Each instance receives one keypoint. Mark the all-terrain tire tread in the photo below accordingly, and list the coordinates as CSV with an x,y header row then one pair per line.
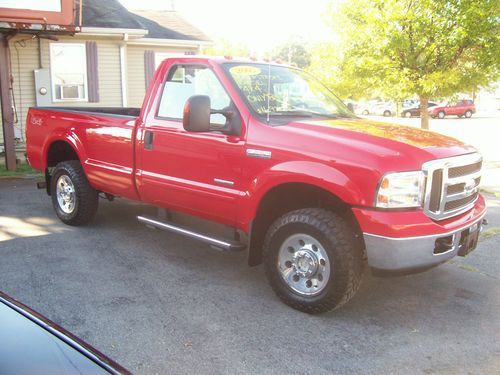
x,y
86,196
349,248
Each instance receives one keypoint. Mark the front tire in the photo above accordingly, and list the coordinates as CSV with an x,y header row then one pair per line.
x,y
408,114
441,115
313,260
468,114
387,113
74,200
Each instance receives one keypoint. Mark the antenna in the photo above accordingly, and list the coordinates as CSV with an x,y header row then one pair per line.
x,y
268,89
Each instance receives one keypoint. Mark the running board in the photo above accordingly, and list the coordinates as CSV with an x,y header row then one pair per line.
x,y
219,244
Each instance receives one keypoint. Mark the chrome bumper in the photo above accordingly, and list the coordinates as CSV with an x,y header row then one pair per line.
x,y
413,253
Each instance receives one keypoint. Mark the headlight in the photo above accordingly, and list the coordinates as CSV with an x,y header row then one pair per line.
x,y
402,189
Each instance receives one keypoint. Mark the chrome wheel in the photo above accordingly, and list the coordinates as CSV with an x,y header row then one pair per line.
x,y
303,264
65,192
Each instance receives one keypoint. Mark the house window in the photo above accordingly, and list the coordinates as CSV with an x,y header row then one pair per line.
x,y
68,68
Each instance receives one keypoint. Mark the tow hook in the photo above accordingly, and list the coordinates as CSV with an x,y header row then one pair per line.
x,y
483,223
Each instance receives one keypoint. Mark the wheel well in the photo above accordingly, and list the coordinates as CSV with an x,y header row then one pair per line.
x,y
58,151
289,197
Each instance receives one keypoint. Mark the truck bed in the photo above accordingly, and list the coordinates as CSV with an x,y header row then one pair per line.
x,y
107,132
110,111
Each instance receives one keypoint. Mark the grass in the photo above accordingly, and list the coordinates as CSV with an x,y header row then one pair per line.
x,y
22,170
490,232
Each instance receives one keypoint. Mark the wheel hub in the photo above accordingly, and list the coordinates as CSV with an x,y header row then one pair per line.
x,y
305,263
65,192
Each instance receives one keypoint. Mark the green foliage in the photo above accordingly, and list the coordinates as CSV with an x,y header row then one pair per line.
x,y
292,53
397,48
225,47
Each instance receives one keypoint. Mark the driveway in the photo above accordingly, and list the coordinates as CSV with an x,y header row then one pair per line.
x,y
162,304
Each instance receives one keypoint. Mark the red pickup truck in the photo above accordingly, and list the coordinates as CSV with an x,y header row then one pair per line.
x,y
306,187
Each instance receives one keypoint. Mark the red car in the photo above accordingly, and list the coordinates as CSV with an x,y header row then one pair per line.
x,y
459,108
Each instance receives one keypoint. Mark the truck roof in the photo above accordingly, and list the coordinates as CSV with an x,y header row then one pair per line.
x,y
229,59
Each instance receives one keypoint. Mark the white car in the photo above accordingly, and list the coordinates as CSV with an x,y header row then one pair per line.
x,y
384,109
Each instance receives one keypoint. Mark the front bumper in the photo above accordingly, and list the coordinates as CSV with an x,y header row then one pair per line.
x,y
419,244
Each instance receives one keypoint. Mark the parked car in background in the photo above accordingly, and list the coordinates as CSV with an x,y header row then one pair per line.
x,y
414,111
460,108
385,109
365,108
32,344
376,107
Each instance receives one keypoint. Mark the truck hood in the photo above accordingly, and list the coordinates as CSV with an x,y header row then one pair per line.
x,y
393,138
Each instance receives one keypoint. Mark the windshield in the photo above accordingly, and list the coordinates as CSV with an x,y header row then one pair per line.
x,y
278,91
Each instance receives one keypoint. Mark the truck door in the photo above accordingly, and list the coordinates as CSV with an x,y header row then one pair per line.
x,y
196,173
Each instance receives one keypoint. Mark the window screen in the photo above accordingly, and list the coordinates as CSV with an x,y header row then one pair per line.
x,y
69,71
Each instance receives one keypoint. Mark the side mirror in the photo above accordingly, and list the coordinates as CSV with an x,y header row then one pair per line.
x,y
196,116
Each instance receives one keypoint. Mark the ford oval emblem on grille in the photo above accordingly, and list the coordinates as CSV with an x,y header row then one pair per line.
x,y
470,187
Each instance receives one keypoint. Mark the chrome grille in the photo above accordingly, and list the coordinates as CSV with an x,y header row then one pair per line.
x,y
452,185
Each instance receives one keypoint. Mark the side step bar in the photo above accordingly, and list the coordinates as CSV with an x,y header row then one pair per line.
x,y
222,244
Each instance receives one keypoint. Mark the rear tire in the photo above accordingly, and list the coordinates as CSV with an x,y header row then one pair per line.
x,y
468,114
74,200
441,115
408,114
387,113
313,260
365,112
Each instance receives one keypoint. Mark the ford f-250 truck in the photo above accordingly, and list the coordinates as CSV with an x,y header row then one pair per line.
x,y
267,151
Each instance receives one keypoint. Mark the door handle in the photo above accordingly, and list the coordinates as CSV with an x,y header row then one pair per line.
x,y
148,140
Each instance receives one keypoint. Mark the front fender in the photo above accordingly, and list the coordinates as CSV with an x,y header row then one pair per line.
x,y
306,172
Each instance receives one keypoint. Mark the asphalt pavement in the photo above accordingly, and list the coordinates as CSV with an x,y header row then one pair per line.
x,y
158,303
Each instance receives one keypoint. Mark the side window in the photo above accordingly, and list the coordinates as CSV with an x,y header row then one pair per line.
x,y
185,81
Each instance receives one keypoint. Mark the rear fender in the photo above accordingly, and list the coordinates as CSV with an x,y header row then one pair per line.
x,y
70,138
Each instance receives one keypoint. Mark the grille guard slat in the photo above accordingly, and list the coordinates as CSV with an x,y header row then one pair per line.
x,y
470,189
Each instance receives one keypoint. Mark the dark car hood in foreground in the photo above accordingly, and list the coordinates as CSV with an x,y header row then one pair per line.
x,y
31,344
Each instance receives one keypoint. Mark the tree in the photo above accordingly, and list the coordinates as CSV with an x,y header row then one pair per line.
x,y
293,53
431,48
224,47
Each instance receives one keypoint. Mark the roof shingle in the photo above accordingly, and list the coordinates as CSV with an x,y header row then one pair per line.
x,y
160,24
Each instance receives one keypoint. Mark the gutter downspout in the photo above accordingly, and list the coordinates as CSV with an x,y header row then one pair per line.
x,y
123,69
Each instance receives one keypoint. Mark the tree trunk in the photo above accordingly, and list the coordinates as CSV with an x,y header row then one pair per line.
x,y
424,112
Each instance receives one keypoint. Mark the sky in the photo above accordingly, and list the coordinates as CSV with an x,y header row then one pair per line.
x,y
260,24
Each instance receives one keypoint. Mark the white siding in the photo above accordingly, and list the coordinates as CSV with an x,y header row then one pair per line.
x,y
24,60
27,56
108,57
136,77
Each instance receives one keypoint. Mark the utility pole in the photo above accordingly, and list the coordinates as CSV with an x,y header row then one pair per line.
x,y
6,103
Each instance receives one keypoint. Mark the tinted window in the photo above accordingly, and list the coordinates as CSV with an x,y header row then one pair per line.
x,y
185,81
